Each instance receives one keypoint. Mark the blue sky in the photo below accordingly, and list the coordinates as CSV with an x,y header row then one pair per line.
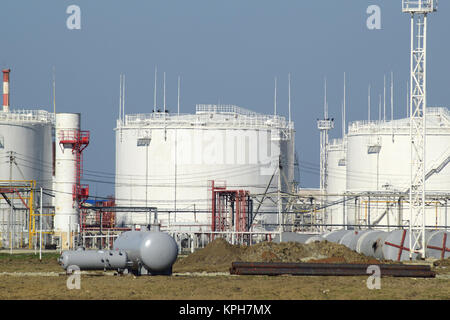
x,y
227,51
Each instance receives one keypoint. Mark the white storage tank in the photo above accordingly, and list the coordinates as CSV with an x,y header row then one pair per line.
x,y
26,153
166,161
336,185
378,160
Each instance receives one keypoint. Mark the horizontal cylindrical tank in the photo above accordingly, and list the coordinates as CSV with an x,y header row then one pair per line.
x,y
371,244
397,246
350,239
315,238
167,161
438,245
297,237
94,260
142,252
336,236
155,251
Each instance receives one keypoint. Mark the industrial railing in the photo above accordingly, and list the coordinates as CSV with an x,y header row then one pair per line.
x,y
203,119
419,5
28,115
223,108
401,124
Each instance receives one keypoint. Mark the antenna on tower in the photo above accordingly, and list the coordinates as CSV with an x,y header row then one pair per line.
x,y
289,96
154,90
275,99
325,102
344,124
54,91
392,96
379,108
178,101
164,92
368,105
384,99
123,98
120,100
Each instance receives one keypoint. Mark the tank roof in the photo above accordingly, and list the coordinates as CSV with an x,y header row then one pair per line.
x,y
207,115
437,118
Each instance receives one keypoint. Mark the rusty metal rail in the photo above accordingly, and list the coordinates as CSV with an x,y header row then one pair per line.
x,y
329,269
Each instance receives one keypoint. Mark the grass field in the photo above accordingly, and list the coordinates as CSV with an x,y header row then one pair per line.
x,y
23,276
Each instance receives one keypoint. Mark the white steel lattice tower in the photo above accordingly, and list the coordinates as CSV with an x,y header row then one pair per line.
x,y
418,9
324,125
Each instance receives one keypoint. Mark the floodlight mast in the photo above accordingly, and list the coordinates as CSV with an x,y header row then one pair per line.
x,y
418,10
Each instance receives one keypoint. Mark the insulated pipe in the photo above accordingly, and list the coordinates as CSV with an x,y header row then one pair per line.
x,y
6,89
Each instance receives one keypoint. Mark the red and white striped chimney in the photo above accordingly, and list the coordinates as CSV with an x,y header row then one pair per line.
x,y
6,89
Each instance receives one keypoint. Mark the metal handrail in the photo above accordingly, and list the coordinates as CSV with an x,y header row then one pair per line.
x,y
203,119
27,115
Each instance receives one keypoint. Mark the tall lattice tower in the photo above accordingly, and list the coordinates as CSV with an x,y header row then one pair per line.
x,y
418,10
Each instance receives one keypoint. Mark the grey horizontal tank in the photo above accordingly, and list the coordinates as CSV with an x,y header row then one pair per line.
x,y
297,237
315,238
438,245
151,251
94,260
371,243
396,246
141,252
350,239
336,236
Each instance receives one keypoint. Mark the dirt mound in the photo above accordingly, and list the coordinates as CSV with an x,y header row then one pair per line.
x,y
218,255
215,257
442,263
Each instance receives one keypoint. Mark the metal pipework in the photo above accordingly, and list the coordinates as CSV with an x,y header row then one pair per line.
x,y
139,252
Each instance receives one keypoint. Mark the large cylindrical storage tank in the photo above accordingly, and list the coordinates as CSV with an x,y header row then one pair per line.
x,y
167,161
66,205
336,184
378,160
26,153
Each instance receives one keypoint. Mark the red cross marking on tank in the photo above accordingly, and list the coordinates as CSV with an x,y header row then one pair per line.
x,y
401,247
444,248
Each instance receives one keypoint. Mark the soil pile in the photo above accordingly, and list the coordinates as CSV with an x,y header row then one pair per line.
x,y
442,263
218,255
215,257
